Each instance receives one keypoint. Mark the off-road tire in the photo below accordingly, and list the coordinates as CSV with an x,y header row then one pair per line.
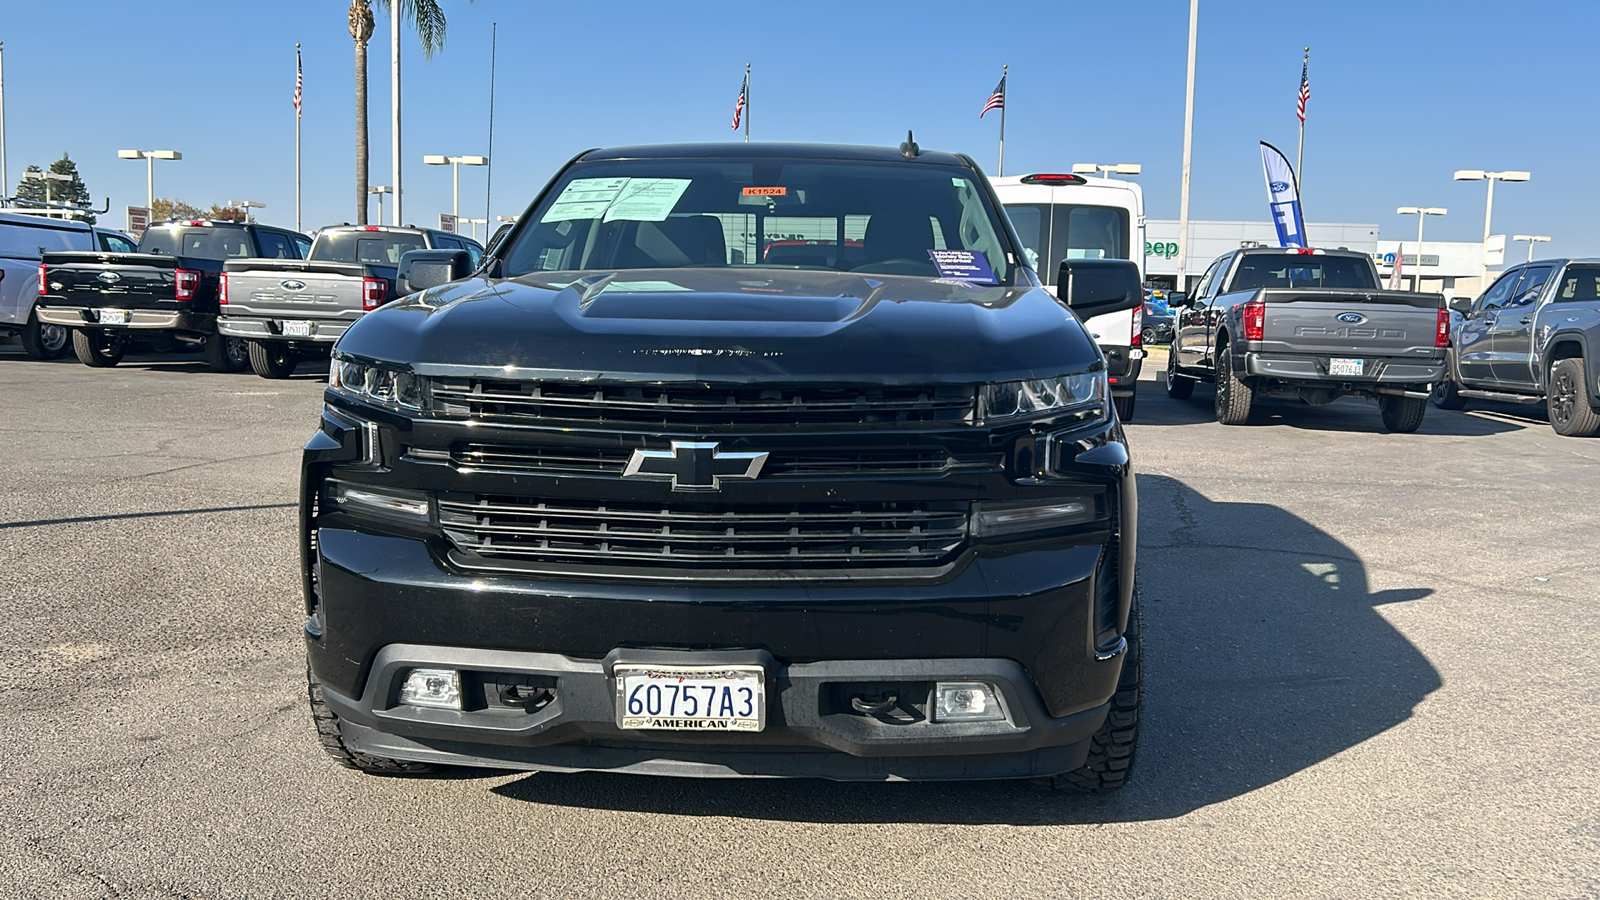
x,y
332,741
226,354
1234,396
1447,395
41,341
1112,747
274,360
1124,406
1402,415
1570,405
1178,387
96,350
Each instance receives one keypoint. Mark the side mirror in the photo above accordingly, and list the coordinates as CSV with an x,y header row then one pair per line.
x,y
1461,305
1094,287
1176,299
423,269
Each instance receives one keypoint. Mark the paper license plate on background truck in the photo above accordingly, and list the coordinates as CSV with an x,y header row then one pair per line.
x,y
695,698
1338,366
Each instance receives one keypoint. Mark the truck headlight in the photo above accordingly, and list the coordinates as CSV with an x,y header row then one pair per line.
x,y
378,384
1085,393
998,519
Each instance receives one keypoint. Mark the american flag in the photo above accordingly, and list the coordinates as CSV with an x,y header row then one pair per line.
x,y
997,100
738,108
1305,90
299,82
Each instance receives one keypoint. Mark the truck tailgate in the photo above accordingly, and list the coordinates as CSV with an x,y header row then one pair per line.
x,y
1350,324
295,288
132,280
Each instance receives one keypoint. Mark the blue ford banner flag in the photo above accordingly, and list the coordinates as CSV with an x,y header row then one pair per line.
x,y
1283,196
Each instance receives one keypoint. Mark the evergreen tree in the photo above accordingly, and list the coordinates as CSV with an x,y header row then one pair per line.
x,y
71,192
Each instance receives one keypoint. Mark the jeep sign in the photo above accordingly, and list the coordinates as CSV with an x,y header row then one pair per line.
x,y
1165,250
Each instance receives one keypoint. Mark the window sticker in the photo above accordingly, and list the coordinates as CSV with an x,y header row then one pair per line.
x,y
584,198
647,199
766,192
963,265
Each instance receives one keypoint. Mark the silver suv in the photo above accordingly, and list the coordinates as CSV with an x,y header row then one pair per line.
x,y
23,239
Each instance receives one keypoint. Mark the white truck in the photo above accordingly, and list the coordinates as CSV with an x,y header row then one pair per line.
x,y
1063,216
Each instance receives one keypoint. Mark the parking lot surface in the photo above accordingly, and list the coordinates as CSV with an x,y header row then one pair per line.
x,y
1371,670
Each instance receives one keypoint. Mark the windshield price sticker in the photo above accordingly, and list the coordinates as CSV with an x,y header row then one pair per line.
x,y
647,199
709,698
584,198
766,192
963,265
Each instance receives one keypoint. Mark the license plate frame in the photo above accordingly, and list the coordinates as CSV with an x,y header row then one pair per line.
x,y
684,693
297,328
1347,366
113,317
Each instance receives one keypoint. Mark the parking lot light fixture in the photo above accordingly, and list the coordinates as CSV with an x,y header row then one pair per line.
x,y
1106,170
149,157
455,163
47,177
1531,239
1422,213
1488,205
380,190
474,223
246,205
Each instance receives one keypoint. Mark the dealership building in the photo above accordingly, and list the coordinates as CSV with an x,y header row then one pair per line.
x,y
1453,268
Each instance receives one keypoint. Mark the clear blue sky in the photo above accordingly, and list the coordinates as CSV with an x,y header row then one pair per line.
x,y
1403,94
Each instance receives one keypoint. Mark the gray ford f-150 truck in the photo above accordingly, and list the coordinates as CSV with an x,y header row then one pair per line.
x,y
288,310
1311,324
1533,336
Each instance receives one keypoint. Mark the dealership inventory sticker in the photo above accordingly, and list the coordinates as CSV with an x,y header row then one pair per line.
x,y
963,265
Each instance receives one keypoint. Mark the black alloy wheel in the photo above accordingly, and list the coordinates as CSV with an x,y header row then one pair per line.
x,y
226,354
1568,402
97,349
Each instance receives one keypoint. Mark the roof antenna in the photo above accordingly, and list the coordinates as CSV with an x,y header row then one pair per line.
x,y
909,149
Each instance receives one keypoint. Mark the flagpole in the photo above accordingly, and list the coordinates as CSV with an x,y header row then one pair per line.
x,y
1000,169
1300,150
297,77
747,103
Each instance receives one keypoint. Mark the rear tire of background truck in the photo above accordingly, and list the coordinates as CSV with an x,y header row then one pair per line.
x,y
275,360
1447,395
1570,405
1124,406
226,354
1111,749
96,348
1402,415
41,341
1178,387
332,741
1234,397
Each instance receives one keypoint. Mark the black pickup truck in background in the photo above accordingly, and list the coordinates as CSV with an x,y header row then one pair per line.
x,y
164,293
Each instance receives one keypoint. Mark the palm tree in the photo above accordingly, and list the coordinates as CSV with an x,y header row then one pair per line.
x,y
428,18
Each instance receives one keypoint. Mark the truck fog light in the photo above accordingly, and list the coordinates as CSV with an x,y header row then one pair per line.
x,y
438,688
966,701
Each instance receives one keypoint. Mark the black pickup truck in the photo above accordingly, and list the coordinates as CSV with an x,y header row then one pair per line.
x,y
633,497
165,292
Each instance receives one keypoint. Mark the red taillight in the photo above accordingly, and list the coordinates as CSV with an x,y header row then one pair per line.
x,y
187,283
1441,338
373,290
369,228
1255,320
1137,338
42,289
222,289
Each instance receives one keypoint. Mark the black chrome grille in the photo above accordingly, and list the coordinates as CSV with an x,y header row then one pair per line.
x,y
874,535
509,402
610,461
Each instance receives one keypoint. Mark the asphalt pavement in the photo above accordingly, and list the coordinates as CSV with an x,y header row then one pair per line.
x,y
1371,671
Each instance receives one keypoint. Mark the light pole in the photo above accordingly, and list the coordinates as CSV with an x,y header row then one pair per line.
x,y
1188,145
47,177
455,163
1422,213
1106,170
1531,239
149,157
246,205
1488,205
474,223
380,190
5,179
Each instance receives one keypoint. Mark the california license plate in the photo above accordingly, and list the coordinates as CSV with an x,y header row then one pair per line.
x,y
297,329
1345,366
691,698
113,317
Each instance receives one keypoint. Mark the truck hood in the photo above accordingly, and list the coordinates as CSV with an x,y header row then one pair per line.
x,y
716,325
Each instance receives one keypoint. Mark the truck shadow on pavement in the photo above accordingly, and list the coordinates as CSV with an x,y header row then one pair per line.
x,y
1347,415
1265,655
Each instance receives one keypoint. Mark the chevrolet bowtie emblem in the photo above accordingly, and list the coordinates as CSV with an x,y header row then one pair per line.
x,y
693,465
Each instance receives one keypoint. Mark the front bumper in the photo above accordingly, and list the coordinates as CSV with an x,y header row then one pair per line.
x,y
138,319
271,329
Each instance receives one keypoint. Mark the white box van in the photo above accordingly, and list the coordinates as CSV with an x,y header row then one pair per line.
x,y
1060,216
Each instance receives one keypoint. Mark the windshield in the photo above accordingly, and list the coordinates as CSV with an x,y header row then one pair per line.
x,y
29,241
373,248
882,218
199,242
1053,232
1272,270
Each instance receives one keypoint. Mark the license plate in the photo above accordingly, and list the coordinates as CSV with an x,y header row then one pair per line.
x,y
1345,366
113,317
297,329
694,698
